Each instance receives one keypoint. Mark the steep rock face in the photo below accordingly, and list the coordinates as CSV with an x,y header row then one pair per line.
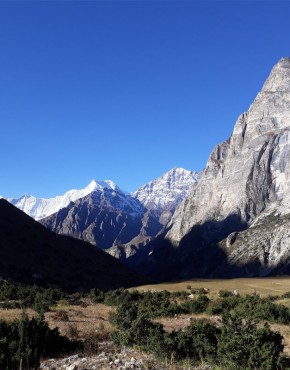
x,y
249,174
221,228
104,218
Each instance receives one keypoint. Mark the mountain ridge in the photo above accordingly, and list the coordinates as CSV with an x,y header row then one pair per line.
x,y
102,219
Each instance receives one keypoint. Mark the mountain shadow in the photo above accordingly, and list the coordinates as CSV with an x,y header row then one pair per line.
x,y
31,253
202,253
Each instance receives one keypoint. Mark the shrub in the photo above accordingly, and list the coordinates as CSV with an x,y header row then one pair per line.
x,y
198,342
242,346
24,341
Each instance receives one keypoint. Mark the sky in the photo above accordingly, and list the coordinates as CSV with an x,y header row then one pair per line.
x,y
126,90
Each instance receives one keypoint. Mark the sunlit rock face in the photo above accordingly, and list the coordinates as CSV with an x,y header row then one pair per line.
x,y
236,219
249,174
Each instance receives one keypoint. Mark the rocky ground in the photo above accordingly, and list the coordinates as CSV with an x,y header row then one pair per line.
x,y
124,359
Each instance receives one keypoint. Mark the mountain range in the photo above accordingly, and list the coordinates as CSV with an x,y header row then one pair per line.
x,y
233,219
110,218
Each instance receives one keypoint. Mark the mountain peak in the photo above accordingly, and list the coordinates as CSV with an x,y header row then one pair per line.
x,y
100,185
279,78
180,171
284,62
168,190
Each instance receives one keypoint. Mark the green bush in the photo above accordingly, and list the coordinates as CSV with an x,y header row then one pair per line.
x,y
23,342
198,342
243,346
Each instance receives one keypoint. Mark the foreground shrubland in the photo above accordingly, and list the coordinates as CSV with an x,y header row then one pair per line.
x,y
240,337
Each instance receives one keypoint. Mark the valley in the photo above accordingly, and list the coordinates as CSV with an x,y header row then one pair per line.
x,y
185,270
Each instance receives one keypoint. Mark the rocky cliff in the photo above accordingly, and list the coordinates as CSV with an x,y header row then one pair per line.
x,y
246,180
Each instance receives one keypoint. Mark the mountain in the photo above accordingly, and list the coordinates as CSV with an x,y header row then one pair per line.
x,y
31,253
39,208
121,223
163,194
105,217
236,220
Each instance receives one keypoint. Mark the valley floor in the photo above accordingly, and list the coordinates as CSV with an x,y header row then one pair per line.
x,y
263,286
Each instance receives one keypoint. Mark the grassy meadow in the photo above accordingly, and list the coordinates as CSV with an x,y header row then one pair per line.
x,y
262,286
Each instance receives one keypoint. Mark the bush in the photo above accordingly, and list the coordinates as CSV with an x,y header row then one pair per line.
x,y
242,346
197,305
24,341
198,342
97,295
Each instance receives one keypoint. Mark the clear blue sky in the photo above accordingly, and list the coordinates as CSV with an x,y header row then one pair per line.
x,y
126,90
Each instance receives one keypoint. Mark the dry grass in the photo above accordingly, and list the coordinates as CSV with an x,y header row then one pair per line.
x,y
263,286
180,322
84,320
15,313
285,332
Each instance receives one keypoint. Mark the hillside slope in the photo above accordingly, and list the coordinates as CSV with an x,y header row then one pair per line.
x,y
31,253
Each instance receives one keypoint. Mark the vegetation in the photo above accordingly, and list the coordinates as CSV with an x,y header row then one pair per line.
x,y
239,344
241,339
23,342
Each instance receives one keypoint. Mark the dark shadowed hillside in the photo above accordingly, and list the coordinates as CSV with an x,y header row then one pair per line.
x,y
31,253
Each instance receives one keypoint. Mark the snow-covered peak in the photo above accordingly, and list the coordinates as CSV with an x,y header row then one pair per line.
x,y
100,185
168,190
39,208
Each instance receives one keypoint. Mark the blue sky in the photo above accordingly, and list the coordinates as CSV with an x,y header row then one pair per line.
x,y
126,90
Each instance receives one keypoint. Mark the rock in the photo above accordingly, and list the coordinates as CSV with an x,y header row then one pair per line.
x,y
72,367
246,179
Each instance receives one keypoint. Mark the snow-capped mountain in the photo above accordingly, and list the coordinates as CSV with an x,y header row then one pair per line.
x,y
103,218
117,221
39,208
108,217
167,191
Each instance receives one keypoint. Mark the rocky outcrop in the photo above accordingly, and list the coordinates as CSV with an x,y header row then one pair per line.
x,y
125,359
261,250
245,179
